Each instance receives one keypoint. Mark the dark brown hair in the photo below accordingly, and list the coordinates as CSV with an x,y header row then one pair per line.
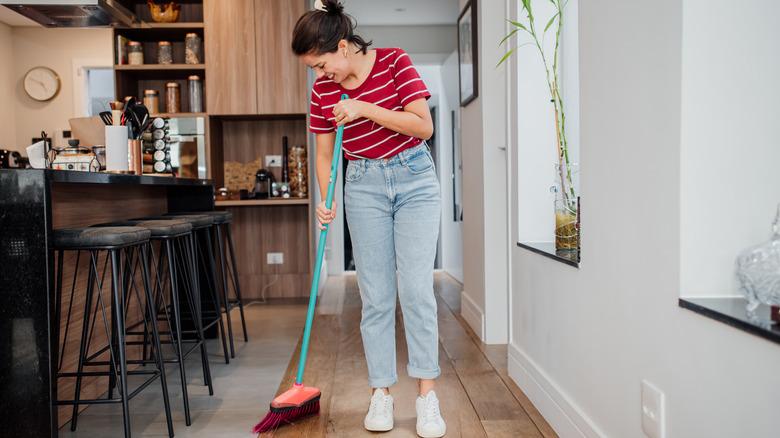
x,y
319,32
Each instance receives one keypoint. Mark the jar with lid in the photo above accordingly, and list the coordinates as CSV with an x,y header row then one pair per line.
x,y
192,46
172,97
152,101
164,52
135,53
196,94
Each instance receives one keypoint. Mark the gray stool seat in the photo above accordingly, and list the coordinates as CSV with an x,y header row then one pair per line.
x,y
220,217
159,228
196,220
100,237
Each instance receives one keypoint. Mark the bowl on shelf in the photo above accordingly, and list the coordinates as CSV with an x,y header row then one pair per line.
x,y
164,12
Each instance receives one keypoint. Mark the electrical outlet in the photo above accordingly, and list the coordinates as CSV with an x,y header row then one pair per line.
x,y
275,258
273,161
653,415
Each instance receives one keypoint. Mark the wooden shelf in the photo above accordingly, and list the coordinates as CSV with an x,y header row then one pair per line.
x,y
261,202
180,115
179,25
159,67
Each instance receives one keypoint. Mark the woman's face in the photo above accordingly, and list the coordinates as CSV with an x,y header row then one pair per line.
x,y
334,65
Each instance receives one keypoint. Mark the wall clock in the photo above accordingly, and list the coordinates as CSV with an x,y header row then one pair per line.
x,y
41,83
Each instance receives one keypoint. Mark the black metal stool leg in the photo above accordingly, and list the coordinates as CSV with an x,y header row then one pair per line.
x,y
236,284
176,310
196,299
91,277
118,302
150,304
225,298
211,272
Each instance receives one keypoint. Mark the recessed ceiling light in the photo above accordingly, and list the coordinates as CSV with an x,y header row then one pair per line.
x,y
400,9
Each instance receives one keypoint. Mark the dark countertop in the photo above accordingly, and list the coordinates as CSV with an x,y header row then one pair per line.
x,y
732,311
75,177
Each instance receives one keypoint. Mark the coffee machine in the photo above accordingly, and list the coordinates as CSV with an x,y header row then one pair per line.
x,y
263,181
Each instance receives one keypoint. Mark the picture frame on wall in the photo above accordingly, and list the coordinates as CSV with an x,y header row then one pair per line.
x,y
468,53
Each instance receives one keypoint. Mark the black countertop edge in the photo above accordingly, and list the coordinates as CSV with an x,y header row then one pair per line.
x,y
75,177
547,249
732,311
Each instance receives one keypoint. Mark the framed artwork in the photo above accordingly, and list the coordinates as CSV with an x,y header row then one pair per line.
x,y
468,53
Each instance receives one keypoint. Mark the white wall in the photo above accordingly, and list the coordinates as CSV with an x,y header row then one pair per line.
x,y
730,183
7,117
483,136
582,340
56,49
451,230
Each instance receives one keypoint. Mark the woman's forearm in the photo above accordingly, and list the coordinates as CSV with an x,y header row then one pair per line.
x,y
405,122
324,161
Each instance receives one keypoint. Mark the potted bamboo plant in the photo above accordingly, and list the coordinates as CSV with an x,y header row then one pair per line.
x,y
567,229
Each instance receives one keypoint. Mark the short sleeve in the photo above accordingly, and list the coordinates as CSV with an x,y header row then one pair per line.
x,y
318,124
408,83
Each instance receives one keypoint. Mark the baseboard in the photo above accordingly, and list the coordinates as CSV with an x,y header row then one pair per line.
x,y
473,315
563,415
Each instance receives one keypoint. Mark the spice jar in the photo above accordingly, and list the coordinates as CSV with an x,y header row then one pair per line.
x,y
192,45
164,52
152,101
135,53
196,94
172,97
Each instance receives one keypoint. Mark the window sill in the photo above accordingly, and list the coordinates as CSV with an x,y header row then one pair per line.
x,y
547,249
731,311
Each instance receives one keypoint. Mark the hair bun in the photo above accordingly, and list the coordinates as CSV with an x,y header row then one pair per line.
x,y
333,7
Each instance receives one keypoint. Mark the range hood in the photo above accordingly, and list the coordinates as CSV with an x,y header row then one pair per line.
x,y
73,13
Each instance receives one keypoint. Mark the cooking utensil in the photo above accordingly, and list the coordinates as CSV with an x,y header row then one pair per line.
x,y
107,117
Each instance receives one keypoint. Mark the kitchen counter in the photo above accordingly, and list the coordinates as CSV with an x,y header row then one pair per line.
x,y
34,203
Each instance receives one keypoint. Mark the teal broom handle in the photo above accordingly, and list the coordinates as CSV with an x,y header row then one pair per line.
x,y
315,281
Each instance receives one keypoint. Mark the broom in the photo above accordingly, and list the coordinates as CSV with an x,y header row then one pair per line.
x,y
301,401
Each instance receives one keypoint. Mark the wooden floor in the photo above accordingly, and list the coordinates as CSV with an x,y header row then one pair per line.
x,y
477,397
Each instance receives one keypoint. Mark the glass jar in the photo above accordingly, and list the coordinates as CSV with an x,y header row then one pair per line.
x,y
172,97
192,46
196,94
152,101
164,52
135,53
298,171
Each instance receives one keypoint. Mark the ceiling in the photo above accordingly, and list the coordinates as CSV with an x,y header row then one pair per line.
x,y
11,18
402,12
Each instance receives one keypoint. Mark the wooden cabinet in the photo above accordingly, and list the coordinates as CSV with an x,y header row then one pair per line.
x,y
252,69
231,86
281,77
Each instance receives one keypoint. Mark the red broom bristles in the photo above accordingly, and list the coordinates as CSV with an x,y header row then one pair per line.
x,y
278,417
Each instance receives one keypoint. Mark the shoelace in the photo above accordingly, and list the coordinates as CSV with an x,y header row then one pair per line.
x,y
431,410
374,406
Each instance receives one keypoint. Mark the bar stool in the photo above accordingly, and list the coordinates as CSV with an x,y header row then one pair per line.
x,y
174,237
228,268
204,254
116,243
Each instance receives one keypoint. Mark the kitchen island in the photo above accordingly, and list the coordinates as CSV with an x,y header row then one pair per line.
x,y
34,203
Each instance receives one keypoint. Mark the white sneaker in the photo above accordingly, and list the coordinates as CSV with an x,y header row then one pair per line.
x,y
429,421
380,412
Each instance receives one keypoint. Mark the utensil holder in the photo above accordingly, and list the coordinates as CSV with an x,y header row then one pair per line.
x,y
135,157
116,148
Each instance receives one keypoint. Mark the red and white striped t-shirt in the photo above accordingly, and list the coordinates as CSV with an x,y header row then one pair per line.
x,y
392,83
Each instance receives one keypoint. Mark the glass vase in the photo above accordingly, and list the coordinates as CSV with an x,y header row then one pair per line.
x,y
758,271
566,207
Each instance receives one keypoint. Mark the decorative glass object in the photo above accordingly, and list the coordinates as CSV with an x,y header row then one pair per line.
x,y
758,271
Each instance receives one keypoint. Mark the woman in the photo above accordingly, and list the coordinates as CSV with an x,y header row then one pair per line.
x,y
392,198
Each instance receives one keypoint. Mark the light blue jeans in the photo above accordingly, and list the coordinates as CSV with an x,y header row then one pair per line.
x,y
393,211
